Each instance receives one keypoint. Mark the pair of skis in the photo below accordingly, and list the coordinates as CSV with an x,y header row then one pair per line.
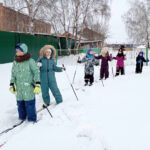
x,y
21,122
9,129
2,144
18,124
14,126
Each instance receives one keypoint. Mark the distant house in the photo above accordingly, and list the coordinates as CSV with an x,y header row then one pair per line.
x,y
91,44
91,39
13,21
87,39
91,35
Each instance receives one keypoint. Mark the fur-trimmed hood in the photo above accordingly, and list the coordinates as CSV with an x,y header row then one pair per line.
x,y
43,50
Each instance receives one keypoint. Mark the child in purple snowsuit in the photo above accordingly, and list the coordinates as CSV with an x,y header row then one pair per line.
x,y
120,62
104,71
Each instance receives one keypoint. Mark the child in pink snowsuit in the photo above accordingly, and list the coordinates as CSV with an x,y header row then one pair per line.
x,y
120,62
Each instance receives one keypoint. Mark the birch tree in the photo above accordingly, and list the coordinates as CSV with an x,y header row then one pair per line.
x,y
73,16
137,21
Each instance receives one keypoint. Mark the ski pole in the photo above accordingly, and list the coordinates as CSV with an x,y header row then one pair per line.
x,y
43,102
111,58
70,84
102,82
112,70
49,112
75,71
47,109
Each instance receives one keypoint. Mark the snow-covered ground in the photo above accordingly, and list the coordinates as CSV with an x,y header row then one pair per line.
x,y
113,117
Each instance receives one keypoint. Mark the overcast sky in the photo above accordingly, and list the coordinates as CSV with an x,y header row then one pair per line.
x,y
117,27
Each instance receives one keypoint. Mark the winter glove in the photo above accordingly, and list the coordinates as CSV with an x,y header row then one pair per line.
x,y
39,64
96,64
12,88
63,68
37,89
147,60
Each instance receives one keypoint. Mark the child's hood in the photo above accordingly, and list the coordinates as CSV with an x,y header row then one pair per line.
x,y
43,50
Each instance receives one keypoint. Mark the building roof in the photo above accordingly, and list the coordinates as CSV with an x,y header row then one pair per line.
x,y
67,34
91,35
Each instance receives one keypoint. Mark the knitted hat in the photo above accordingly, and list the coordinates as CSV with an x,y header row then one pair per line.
x,y
89,50
141,52
22,47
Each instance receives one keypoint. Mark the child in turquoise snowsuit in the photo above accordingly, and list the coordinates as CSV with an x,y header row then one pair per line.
x,y
48,68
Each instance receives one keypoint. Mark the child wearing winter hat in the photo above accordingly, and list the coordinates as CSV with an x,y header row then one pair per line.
x,y
25,82
104,71
47,66
139,62
89,61
120,62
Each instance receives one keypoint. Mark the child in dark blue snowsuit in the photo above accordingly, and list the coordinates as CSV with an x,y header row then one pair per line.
x,y
139,62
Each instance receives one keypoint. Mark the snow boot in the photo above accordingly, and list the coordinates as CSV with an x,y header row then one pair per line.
x,y
86,84
90,84
45,105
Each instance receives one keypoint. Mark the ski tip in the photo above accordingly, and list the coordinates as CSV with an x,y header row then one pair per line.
x,y
1,145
